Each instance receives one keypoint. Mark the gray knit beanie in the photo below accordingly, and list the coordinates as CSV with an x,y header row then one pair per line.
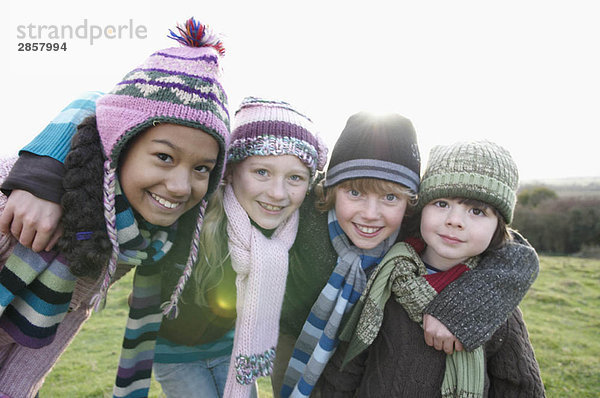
x,y
480,170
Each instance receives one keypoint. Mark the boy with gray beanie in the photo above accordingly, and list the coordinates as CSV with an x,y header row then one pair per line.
x,y
466,200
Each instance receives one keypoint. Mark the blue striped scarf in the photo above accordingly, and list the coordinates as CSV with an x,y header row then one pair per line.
x,y
142,245
35,293
36,290
319,337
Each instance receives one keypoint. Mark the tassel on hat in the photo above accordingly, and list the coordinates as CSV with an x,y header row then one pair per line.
x,y
197,35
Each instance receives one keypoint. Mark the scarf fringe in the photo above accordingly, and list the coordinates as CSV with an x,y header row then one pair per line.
x,y
452,393
248,368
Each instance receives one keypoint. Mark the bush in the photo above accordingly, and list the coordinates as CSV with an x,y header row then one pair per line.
x,y
560,225
534,196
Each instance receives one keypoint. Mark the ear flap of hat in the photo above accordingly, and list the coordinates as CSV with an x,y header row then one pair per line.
x,y
113,119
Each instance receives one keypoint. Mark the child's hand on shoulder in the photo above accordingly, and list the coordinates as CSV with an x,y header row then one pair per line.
x,y
34,222
438,336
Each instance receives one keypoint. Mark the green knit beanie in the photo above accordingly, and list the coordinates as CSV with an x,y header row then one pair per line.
x,y
480,170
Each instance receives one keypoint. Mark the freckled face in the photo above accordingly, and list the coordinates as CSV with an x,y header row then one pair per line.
x,y
270,188
368,218
455,231
166,171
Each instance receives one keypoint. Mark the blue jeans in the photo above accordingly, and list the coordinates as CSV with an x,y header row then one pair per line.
x,y
202,379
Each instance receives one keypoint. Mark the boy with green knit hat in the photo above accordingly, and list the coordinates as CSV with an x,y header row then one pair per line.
x,y
466,200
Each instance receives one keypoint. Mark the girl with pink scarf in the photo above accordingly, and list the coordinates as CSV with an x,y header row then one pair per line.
x,y
249,226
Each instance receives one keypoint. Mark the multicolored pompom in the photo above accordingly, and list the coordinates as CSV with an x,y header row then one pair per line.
x,y
195,34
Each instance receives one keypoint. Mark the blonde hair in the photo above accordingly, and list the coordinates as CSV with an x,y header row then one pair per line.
x,y
326,196
214,248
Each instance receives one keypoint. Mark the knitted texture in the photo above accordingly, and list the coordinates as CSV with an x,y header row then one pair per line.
x,y
512,367
55,140
41,287
24,369
261,265
402,275
141,245
504,273
401,364
35,289
18,377
178,85
319,337
135,364
479,170
383,147
266,127
492,290
312,260
169,352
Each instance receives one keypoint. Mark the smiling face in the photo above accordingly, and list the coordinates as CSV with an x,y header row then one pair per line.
x,y
455,231
270,188
166,171
367,217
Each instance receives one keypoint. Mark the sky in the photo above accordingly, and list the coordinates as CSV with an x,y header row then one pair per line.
x,y
524,74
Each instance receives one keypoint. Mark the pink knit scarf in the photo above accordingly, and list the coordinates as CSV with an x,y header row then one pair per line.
x,y
261,265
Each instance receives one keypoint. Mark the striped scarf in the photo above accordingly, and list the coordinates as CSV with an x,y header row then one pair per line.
x,y
318,340
36,290
141,245
402,275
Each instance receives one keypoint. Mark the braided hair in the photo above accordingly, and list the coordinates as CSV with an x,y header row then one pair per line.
x,y
84,243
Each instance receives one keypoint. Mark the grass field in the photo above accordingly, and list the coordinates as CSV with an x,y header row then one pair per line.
x,y
562,311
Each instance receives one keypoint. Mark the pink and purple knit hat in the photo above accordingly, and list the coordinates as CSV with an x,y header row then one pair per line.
x,y
177,85
267,127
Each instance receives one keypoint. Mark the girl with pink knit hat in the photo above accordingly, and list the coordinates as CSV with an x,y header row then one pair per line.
x,y
225,335
137,179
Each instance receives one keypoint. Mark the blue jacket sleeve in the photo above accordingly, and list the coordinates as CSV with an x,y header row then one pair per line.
x,y
55,140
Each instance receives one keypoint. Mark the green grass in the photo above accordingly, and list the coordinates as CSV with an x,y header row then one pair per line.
x,y
88,367
562,311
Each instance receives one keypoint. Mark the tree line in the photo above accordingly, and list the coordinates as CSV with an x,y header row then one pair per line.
x,y
556,224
